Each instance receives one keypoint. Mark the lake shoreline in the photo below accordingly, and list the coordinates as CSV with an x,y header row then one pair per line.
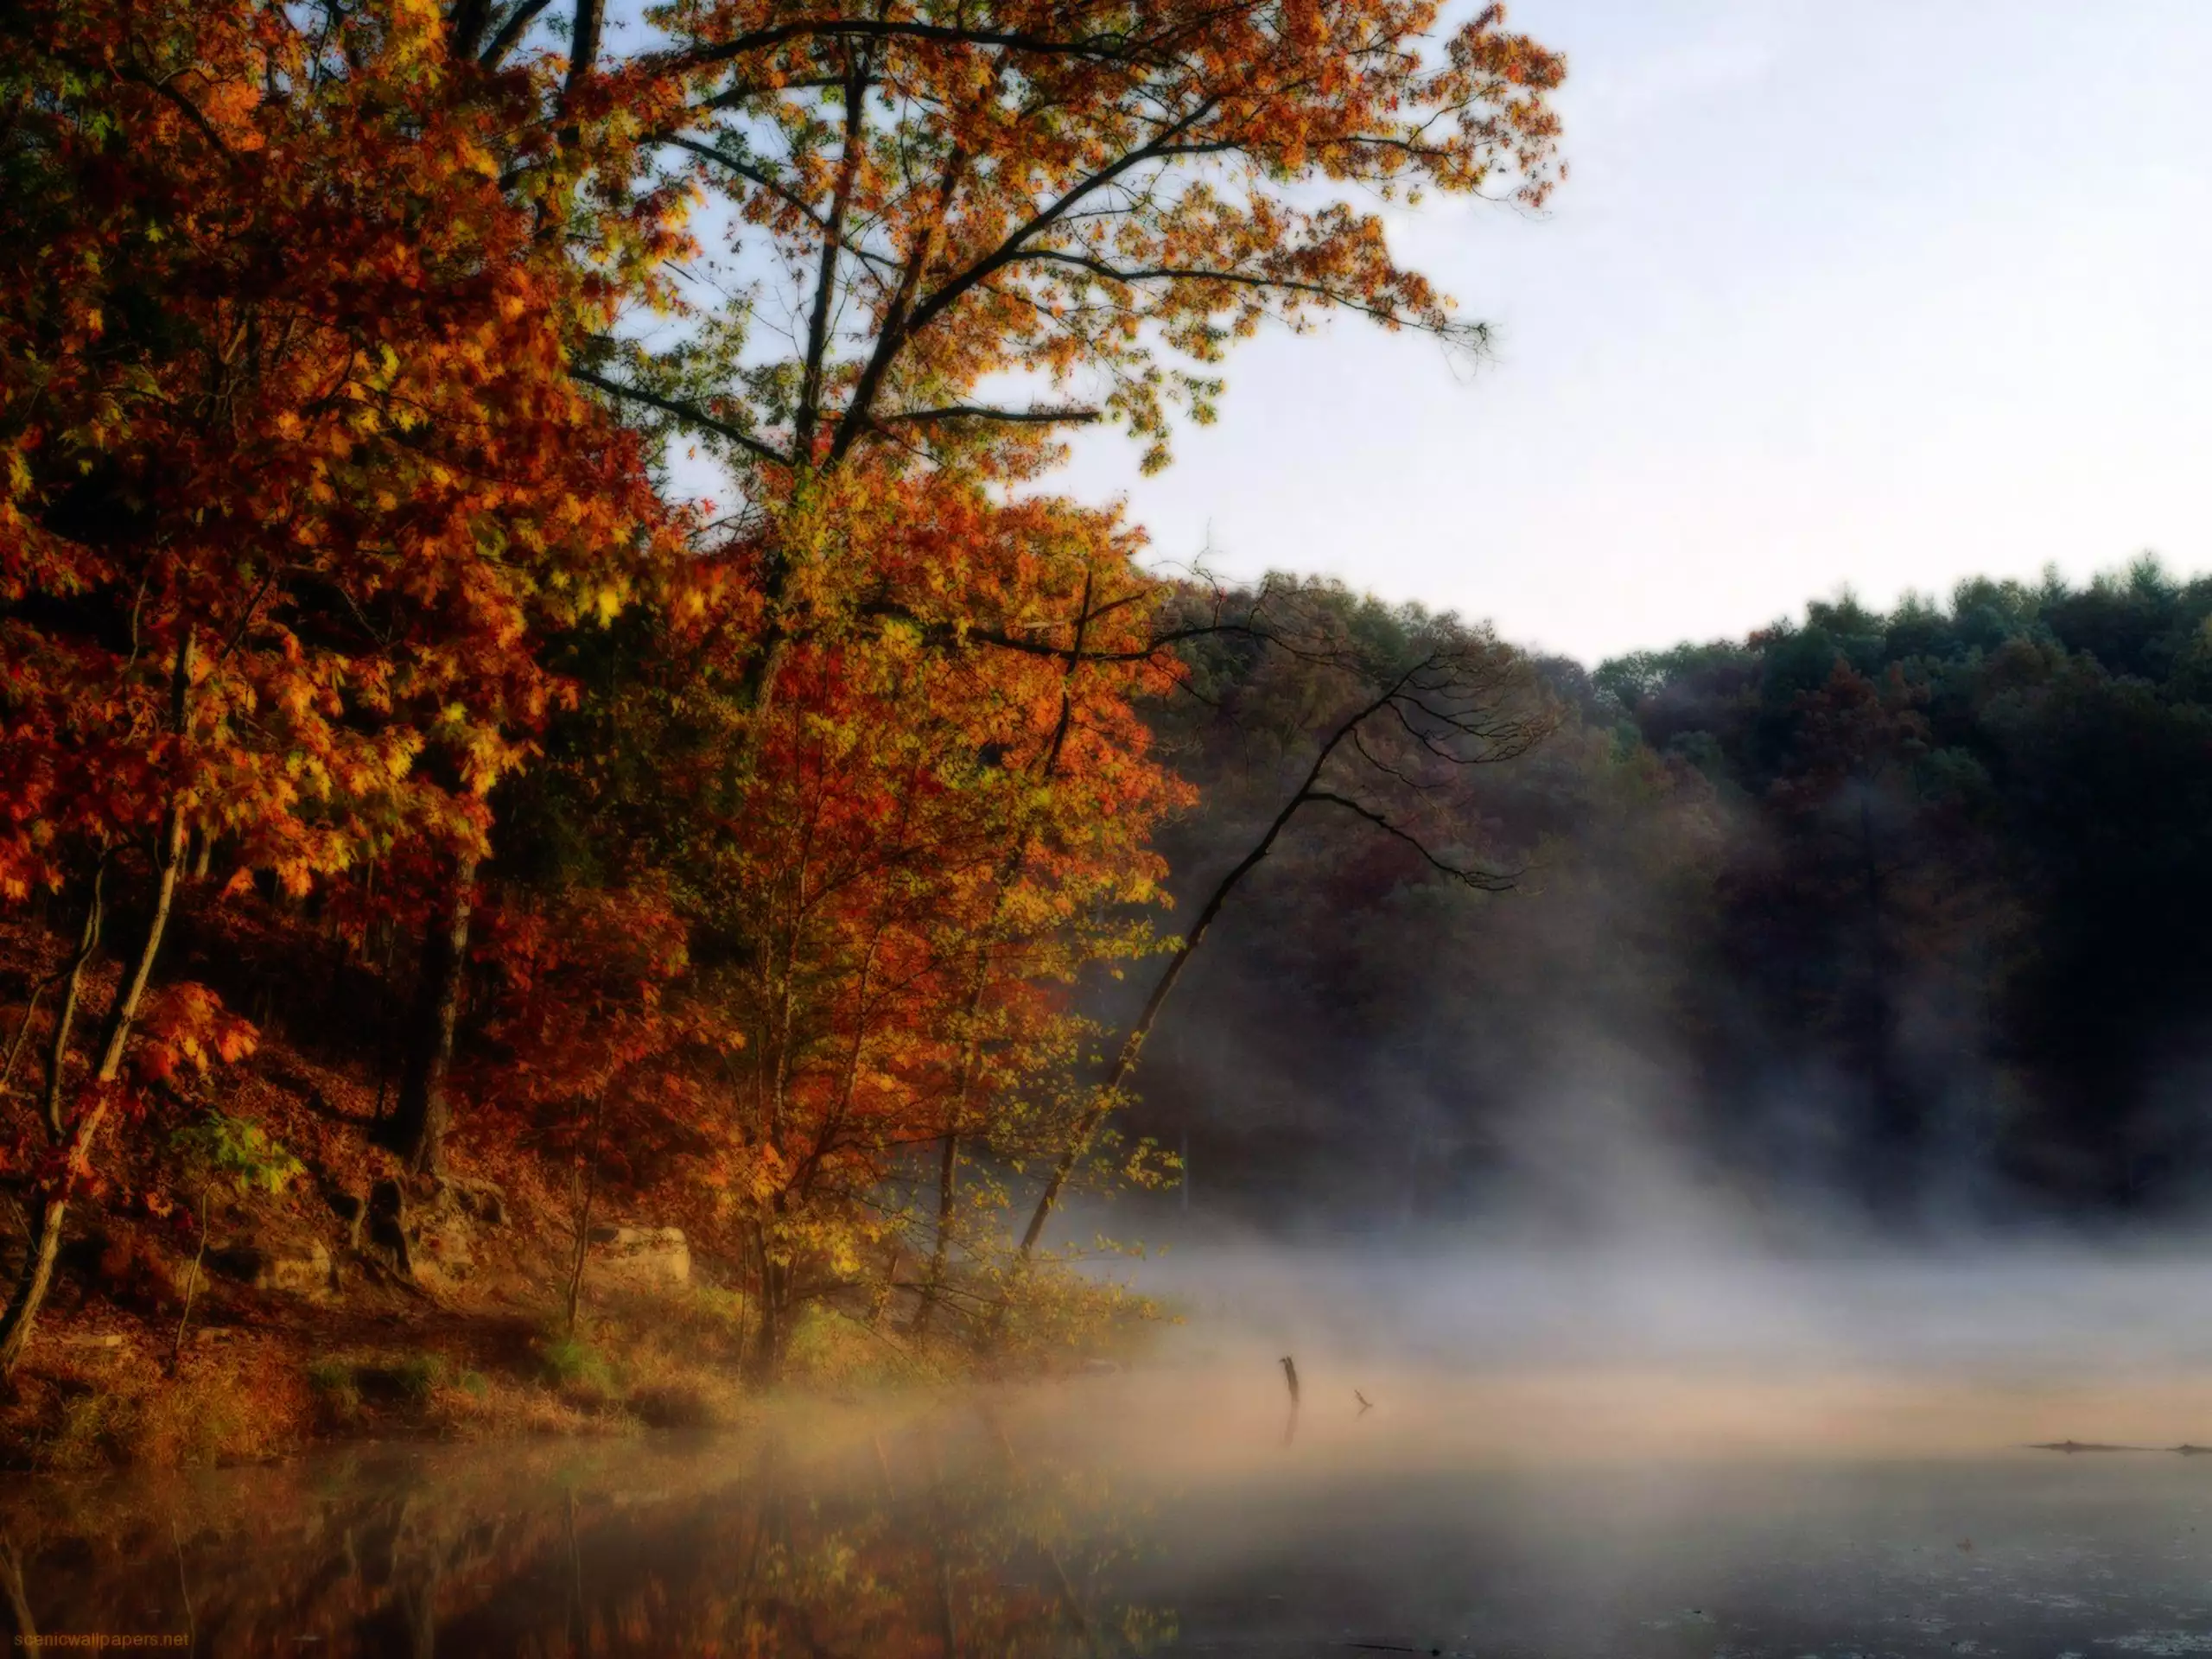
x,y
106,1394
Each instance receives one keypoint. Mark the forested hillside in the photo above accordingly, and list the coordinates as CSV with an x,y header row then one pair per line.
x,y
1905,913
452,858
445,846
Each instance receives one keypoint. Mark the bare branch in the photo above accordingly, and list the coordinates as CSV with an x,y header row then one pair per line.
x,y
683,411
753,175
1061,416
510,32
1483,880
583,44
465,28
1238,279
871,28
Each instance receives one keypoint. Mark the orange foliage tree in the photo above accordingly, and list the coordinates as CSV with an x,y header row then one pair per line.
x,y
949,199
293,468
950,205
309,540
884,873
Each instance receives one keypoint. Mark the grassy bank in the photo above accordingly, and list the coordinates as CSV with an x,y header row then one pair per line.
x,y
106,1389
123,1397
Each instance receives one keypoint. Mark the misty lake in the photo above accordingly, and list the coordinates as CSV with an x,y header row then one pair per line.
x,y
1178,1508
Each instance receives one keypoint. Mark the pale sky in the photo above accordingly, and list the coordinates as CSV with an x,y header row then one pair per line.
x,y
1883,294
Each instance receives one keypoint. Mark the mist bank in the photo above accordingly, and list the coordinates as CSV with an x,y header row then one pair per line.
x,y
1490,1344
1468,1301
1905,916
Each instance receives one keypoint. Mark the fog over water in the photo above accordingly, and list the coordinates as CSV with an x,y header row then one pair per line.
x,y
1631,1412
1501,1445
1617,1350
1618,1297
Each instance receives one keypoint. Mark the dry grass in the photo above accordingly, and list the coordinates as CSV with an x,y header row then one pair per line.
x,y
119,1407
668,1361
451,1373
641,1362
76,1410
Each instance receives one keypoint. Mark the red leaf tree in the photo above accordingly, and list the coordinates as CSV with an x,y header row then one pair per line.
x,y
293,465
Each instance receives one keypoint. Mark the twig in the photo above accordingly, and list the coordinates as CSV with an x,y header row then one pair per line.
x,y
191,1285
23,1031
18,1598
184,1585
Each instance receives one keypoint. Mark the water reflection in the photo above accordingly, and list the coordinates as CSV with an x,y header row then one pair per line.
x,y
1509,1514
933,1536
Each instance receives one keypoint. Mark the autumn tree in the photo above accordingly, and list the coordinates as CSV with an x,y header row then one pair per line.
x,y
294,465
943,819
1101,201
952,207
315,514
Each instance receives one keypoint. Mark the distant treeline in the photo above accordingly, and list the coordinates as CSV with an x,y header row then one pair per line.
x,y
1911,911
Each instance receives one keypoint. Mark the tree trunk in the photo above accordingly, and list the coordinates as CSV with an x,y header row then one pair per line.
x,y
971,1060
57,1052
115,1033
762,675
44,1247
191,1286
578,1256
590,1187
772,1335
42,1244
1132,1045
40,1250
948,1170
420,1121
972,1053
17,1596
